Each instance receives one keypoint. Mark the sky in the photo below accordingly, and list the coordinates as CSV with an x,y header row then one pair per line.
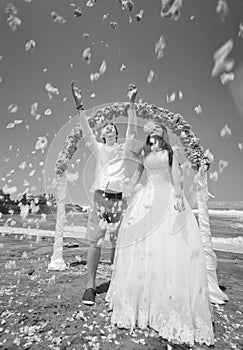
x,y
186,66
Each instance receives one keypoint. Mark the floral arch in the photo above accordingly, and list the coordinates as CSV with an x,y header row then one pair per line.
x,y
195,153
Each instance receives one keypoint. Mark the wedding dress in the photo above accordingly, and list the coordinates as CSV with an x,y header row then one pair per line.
x,y
159,278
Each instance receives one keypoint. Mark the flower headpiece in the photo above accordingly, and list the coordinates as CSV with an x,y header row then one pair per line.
x,y
149,126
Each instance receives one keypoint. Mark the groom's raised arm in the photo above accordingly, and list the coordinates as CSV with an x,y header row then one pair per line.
x,y
87,131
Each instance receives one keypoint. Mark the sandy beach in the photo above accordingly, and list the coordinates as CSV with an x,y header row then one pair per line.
x,y
42,309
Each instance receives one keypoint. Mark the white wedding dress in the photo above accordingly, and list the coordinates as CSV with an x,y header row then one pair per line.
x,y
159,278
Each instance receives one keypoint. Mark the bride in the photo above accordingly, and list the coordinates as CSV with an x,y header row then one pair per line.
x,y
159,278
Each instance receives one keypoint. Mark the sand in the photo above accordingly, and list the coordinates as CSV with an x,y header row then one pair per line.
x,y
42,309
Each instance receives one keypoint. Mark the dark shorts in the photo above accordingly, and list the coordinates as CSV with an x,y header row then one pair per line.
x,y
107,206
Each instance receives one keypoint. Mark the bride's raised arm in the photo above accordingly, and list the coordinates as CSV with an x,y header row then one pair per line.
x,y
132,120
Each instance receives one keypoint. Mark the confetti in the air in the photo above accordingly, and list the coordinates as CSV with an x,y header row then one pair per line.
x,y
225,131
180,94
220,57
151,77
160,47
171,9
222,9
30,46
93,95
13,108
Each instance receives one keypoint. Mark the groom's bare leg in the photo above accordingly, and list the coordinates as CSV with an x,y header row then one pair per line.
x,y
112,254
93,259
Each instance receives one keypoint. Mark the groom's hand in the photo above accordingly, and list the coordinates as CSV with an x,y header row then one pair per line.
x,y
77,96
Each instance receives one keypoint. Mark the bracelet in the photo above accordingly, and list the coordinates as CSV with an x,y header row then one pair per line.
x,y
81,107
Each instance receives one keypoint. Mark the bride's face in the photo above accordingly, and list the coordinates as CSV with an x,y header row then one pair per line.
x,y
157,131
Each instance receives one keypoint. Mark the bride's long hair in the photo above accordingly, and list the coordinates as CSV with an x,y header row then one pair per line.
x,y
163,144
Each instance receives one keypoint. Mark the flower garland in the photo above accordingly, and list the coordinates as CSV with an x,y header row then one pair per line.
x,y
178,125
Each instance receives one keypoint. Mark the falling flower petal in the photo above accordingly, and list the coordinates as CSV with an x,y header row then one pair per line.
x,y
22,165
34,109
91,3
18,121
57,18
9,190
240,146
123,67
10,126
171,9
86,35
93,95
94,76
139,15
198,109
103,67
105,17
214,176
151,77
180,94
26,183
227,77
222,9
13,108
87,55
222,165
240,33
171,98
51,89
72,177
113,25
48,111
221,64
30,45
160,47
225,131
77,12
32,173
41,143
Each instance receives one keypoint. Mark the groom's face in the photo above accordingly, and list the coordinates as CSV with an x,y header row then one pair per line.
x,y
109,132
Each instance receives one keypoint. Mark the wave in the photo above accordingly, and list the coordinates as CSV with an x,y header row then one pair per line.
x,y
223,212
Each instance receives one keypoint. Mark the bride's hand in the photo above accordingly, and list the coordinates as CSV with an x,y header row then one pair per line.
x,y
132,93
77,96
179,202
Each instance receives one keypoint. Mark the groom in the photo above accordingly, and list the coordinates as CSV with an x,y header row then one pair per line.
x,y
108,202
